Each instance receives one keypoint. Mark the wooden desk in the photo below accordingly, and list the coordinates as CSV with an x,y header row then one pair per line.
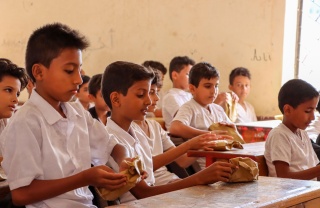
x,y
254,151
266,192
4,186
160,120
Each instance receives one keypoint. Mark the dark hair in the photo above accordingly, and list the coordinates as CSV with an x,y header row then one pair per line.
x,y
95,84
120,76
156,79
85,79
178,63
202,70
239,71
294,92
155,65
47,42
7,68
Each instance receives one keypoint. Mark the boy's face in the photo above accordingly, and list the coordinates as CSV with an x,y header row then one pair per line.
x,y
99,102
134,105
301,116
59,82
241,86
206,92
9,92
83,94
181,80
154,98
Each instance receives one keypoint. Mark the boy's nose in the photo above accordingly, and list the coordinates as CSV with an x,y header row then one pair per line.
x,y
78,80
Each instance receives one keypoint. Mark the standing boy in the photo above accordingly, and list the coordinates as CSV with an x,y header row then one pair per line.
x,y
50,143
288,152
129,101
239,83
100,110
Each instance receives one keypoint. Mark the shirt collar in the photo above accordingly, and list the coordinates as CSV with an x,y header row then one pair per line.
x,y
49,113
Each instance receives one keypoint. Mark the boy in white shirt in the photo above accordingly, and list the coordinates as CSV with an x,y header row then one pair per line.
x,y
83,93
288,152
50,143
239,83
195,116
129,101
176,96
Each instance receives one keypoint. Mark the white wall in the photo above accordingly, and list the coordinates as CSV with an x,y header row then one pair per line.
x,y
226,33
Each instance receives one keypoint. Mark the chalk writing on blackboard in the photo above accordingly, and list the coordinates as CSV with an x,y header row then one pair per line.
x,y
260,56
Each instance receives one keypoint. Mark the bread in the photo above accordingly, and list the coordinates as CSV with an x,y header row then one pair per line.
x,y
248,170
231,131
223,145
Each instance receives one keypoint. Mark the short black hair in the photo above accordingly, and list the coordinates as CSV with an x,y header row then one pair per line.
x,y
95,84
178,63
120,76
7,68
155,65
202,70
294,92
85,79
239,71
47,42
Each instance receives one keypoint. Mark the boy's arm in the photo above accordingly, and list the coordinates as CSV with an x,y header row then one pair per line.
x,y
218,171
179,129
283,171
119,153
39,190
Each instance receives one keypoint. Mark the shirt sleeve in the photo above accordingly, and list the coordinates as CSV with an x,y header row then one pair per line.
x,y
184,114
280,147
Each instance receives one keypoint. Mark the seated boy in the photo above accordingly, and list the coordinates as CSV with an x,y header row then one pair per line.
x,y
179,72
50,143
129,101
239,83
288,151
195,116
83,94
162,70
100,111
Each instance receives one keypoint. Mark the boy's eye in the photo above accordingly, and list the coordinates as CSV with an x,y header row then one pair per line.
x,y
8,90
69,71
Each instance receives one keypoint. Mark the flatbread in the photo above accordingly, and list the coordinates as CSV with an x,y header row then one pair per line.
x,y
224,145
231,131
133,174
231,109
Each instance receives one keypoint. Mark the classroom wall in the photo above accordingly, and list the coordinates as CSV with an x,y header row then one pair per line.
x,y
226,33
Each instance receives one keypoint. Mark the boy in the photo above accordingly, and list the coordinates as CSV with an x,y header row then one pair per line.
x,y
195,116
239,83
100,111
129,101
83,94
50,143
13,80
288,152
179,72
162,70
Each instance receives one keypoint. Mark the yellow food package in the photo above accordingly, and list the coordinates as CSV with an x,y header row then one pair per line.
x,y
248,170
223,145
231,131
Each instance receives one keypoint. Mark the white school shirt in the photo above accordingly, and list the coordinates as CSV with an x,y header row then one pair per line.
x,y
193,114
245,115
137,144
284,145
38,143
171,103
159,141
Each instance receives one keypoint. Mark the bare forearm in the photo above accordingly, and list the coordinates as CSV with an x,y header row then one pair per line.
x,y
184,161
302,175
119,153
183,131
40,190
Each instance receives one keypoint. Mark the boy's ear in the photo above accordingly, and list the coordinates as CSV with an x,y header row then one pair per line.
x,y
230,87
37,71
115,99
174,75
91,97
287,109
192,88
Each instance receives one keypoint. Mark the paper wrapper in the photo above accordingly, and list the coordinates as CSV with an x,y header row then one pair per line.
x,y
132,173
231,131
248,170
223,145
231,109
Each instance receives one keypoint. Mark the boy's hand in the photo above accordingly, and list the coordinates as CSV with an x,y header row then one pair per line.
x,y
218,171
124,166
103,176
204,141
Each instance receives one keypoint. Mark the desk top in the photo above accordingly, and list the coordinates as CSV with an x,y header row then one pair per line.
x,y
249,150
266,192
264,124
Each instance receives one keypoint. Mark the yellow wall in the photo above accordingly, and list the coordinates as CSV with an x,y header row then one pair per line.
x,y
226,33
